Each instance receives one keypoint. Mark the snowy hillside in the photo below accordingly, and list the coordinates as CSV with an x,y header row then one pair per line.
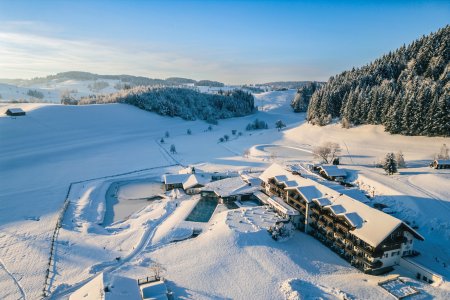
x,y
42,153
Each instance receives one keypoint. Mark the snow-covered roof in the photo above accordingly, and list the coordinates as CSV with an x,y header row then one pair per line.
x,y
309,192
322,201
119,288
175,178
337,209
333,171
196,179
230,187
154,290
254,181
16,110
275,170
370,224
277,203
290,183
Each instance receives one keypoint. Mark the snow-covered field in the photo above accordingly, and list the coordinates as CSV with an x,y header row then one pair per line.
x,y
234,257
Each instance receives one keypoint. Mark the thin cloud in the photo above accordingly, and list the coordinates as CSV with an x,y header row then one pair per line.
x,y
26,54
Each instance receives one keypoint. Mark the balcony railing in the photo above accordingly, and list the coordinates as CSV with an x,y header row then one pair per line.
x,y
389,247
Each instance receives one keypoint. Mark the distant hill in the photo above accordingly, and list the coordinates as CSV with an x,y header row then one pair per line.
x,y
209,83
407,91
126,79
286,84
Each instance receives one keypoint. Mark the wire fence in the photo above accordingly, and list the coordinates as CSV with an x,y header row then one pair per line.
x,y
46,291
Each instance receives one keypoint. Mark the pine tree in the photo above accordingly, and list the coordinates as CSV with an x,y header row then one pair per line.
x,y
173,150
390,164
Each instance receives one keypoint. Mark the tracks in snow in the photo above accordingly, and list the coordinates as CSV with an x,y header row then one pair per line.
x,y
16,282
140,248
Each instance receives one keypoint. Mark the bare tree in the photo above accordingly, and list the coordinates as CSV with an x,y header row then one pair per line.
x,y
443,152
273,156
328,151
157,269
246,153
173,150
345,123
400,159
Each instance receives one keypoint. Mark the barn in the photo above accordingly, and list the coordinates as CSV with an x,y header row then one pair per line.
x,y
15,112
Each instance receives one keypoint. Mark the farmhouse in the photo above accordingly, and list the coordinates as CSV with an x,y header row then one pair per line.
x,y
441,164
332,172
15,112
368,238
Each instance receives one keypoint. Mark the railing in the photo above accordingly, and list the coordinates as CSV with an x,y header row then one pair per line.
x,y
328,218
390,247
148,279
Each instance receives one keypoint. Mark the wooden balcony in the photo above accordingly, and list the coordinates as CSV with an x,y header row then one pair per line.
x,y
328,218
389,247
315,210
363,250
298,201
329,228
339,235
371,264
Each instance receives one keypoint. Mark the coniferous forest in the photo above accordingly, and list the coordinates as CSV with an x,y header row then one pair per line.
x,y
186,103
407,91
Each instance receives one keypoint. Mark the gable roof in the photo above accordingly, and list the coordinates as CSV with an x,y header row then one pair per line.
x,y
195,179
175,178
230,187
333,171
16,110
308,192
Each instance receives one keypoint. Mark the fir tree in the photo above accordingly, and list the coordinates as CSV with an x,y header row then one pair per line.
x,y
390,164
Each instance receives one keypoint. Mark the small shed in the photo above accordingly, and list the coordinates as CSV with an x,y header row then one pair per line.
x,y
15,112
441,164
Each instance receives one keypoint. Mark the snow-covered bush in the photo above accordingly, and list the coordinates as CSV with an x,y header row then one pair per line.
x,y
281,230
257,124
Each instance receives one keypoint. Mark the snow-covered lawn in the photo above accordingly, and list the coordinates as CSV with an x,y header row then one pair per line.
x,y
54,145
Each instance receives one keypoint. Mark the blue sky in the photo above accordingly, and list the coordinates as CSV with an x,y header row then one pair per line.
x,y
229,41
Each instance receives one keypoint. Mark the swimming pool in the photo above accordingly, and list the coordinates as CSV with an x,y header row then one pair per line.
x,y
203,211
125,197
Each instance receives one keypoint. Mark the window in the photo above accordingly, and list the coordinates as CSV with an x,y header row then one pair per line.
x,y
386,255
398,252
393,253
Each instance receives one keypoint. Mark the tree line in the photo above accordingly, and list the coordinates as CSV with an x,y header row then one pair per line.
x,y
181,102
407,91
